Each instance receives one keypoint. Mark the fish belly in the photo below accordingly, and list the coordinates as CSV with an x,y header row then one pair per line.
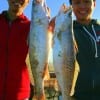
x,y
38,45
63,57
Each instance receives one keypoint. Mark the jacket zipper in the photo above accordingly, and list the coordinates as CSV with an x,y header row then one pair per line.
x,y
95,40
93,83
6,68
5,76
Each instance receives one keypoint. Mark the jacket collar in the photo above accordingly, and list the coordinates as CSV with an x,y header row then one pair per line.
x,y
5,15
93,21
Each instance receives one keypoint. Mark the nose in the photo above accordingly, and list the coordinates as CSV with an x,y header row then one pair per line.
x,y
83,4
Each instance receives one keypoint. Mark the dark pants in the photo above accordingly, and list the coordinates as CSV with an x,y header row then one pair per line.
x,y
31,91
86,97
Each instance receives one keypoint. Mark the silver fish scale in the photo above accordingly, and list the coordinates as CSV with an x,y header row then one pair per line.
x,y
38,45
63,52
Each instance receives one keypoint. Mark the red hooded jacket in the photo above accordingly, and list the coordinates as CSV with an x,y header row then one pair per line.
x,y
14,77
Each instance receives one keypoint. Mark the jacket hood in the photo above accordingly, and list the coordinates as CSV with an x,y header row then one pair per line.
x,y
93,22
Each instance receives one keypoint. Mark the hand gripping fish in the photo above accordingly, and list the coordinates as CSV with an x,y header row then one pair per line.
x,y
38,45
63,51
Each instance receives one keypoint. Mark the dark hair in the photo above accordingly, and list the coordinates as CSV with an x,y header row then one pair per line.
x,y
70,1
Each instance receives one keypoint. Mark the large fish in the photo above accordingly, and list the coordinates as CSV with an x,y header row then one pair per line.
x,y
63,51
38,45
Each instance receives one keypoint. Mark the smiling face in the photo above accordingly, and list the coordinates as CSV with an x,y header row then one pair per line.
x,y
83,10
17,6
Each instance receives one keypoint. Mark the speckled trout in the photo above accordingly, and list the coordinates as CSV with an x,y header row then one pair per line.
x,y
63,51
38,44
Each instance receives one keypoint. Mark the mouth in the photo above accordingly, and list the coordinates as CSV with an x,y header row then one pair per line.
x,y
82,12
17,5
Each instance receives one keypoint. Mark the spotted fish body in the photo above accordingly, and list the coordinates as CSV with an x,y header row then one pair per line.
x,y
38,44
63,52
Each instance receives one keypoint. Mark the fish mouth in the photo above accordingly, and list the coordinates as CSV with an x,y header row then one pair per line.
x,y
38,1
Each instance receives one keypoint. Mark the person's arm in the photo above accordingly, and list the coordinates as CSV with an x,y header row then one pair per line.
x,y
75,76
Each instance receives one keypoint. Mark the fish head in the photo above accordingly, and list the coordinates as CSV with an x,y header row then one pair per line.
x,y
68,18
63,20
42,6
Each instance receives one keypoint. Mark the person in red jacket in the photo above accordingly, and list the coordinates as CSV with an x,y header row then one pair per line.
x,y
14,29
